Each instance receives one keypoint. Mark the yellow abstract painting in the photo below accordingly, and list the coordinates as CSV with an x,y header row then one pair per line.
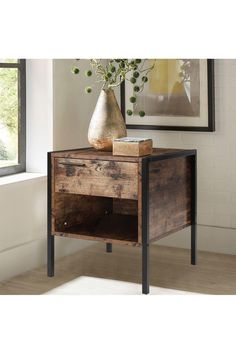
x,y
173,89
164,77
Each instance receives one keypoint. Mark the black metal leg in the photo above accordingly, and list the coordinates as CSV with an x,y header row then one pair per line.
x,y
194,211
50,256
145,226
109,247
145,269
50,245
194,244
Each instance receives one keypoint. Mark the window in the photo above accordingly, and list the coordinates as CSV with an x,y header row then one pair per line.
x,y
12,116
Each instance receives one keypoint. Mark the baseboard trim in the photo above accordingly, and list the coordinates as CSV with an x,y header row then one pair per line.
x,y
33,254
28,256
210,238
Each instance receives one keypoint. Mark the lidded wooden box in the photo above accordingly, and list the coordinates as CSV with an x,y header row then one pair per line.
x,y
130,146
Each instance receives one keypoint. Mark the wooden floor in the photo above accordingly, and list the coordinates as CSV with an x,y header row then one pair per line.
x,y
169,268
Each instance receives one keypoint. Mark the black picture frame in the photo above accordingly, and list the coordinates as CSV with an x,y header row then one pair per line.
x,y
211,108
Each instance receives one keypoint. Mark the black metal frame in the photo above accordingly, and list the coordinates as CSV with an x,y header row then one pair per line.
x,y
211,108
50,237
109,247
145,210
21,166
145,225
194,210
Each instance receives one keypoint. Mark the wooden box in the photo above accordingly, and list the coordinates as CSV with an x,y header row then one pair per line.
x,y
130,146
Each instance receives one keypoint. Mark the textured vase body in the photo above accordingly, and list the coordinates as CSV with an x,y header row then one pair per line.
x,y
107,122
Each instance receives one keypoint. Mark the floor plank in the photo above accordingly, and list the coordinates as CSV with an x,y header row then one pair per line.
x,y
169,268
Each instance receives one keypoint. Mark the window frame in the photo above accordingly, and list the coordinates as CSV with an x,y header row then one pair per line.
x,y
21,166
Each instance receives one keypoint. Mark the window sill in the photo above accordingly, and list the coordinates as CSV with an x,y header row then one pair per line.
x,y
20,177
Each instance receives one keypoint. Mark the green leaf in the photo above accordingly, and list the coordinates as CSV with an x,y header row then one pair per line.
x,y
133,80
88,73
88,89
132,99
75,70
144,79
142,113
129,112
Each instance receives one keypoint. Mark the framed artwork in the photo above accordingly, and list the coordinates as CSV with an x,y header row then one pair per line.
x,y
179,95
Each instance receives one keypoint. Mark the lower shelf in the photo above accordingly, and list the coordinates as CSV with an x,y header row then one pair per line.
x,y
112,227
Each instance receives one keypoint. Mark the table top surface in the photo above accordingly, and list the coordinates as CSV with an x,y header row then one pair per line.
x,y
91,153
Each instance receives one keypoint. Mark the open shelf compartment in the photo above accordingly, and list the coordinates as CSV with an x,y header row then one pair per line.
x,y
99,218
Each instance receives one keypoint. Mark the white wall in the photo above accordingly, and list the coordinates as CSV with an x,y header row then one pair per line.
x,y
39,123
73,108
23,198
216,167
216,161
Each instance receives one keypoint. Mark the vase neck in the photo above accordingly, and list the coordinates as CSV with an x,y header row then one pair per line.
x,y
108,91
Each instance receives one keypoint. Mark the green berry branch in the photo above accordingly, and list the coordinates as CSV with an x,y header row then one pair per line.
x,y
113,72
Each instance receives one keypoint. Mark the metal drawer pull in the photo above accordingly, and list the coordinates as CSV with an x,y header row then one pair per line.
x,y
72,164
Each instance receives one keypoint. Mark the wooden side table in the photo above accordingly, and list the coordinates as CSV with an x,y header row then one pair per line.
x,y
125,200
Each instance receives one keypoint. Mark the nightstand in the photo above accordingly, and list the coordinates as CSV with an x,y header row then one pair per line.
x,y
132,201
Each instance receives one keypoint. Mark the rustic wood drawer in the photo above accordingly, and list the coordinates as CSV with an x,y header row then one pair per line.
x,y
97,177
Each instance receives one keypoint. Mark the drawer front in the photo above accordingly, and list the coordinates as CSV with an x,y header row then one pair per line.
x,y
97,178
